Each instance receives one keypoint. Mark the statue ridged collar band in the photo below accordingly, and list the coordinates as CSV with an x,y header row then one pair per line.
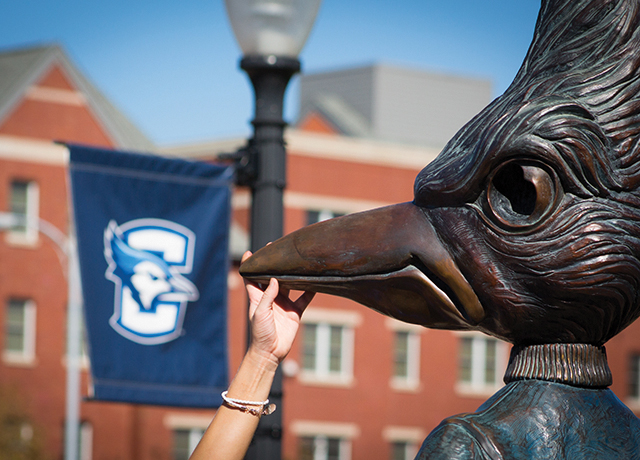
x,y
577,364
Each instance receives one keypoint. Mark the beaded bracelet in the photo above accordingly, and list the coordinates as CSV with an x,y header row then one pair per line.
x,y
264,408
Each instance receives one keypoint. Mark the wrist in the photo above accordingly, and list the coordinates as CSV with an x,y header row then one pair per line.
x,y
261,360
254,378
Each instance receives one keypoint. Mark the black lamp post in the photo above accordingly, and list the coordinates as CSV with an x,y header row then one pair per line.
x,y
271,34
266,163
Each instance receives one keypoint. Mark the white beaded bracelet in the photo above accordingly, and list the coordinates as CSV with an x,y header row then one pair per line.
x,y
263,407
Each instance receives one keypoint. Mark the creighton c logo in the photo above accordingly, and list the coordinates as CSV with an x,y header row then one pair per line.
x,y
147,260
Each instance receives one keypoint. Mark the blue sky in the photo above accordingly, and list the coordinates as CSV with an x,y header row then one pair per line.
x,y
172,66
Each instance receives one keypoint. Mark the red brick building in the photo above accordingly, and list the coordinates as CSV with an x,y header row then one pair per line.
x,y
357,385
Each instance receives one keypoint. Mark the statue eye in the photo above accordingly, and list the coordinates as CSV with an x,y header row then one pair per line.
x,y
521,194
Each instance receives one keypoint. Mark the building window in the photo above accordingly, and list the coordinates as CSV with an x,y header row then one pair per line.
x,y
406,360
401,354
324,440
187,430
403,441
24,202
322,215
634,376
326,351
20,331
403,450
405,355
322,447
185,442
481,365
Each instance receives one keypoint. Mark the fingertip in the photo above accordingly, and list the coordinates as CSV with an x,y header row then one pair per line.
x,y
245,256
271,289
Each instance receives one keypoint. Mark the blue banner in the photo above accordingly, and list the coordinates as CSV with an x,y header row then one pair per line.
x,y
153,238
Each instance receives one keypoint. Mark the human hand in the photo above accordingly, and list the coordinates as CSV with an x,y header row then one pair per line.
x,y
274,318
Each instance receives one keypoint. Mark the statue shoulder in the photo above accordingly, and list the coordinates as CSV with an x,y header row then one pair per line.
x,y
458,438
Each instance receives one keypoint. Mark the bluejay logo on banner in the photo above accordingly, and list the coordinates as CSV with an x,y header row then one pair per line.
x,y
147,260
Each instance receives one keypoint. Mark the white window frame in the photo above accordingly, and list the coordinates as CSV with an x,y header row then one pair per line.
x,y
27,355
324,319
323,431
28,236
410,381
478,385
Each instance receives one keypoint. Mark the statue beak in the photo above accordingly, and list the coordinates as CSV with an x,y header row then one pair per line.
x,y
389,259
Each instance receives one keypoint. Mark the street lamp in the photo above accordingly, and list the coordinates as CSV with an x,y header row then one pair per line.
x,y
67,253
271,34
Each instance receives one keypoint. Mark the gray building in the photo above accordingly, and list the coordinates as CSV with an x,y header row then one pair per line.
x,y
394,104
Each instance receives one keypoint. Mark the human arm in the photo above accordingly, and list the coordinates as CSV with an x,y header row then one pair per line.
x,y
275,320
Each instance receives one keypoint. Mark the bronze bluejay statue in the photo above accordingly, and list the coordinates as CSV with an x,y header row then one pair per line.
x,y
526,227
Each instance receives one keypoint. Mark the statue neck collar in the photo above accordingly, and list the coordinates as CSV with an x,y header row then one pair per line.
x,y
576,364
